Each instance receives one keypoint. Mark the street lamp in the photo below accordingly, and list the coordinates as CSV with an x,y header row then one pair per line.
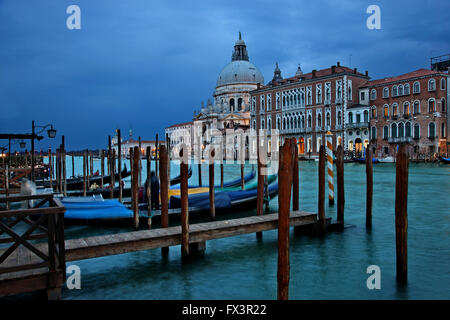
x,y
51,134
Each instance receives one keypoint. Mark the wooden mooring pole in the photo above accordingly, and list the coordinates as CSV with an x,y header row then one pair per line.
x,y
87,169
119,160
369,187
184,205
135,197
73,165
112,183
321,196
148,155
260,187
84,173
156,156
212,207
221,173
285,174
163,177
102,164
50,166
340,183
401,213
295,179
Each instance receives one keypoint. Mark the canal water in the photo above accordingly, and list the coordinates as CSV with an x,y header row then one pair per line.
x,y
333,267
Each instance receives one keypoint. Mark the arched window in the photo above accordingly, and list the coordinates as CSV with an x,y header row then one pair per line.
x,y
431,130
400,90
394,130
385,132
350,117
386,92
443,84
416,107
232,105
263,124
374,112
406,110
328,119
358,118
407,89
269,123
278,123
366,116
443,133
339,119
394,91
431,106
374,133
416,87
295,122
254,124
284,123
431,85
408,129
239,104
319,120
394,109
401,130
416,131
303,121
373,94
443,105
309,121
386,111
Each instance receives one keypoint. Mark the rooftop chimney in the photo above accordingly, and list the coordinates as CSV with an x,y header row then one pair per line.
x,y
314,73
333,69
338,64
367,73
355,70
258,85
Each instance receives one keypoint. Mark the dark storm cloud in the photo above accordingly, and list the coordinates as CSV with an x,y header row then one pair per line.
x,y
148,64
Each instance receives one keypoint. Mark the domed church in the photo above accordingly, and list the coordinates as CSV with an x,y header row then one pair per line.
x,y
231,105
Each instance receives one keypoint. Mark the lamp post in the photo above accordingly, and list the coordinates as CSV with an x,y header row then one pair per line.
x,y
51,134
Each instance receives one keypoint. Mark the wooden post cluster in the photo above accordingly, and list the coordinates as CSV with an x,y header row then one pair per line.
x,y
321,196
87,168
295,180
156,155
163,177
221,173
285,174
369,187
401,214
340,183
102,164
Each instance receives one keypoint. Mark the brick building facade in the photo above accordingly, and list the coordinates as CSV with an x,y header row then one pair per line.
x,y
409,108
307,106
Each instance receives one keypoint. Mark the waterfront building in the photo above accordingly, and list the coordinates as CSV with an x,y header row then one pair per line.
x,y
307,106
410,108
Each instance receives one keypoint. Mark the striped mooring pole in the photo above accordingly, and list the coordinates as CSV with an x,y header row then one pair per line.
x,y
330,168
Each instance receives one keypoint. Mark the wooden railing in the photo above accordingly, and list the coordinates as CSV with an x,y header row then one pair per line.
x,y
49,220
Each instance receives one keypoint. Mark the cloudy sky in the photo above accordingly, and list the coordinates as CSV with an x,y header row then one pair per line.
x,y
145,65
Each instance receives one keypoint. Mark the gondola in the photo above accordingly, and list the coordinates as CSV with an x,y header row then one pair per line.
x,y
445,160
78,182
363,160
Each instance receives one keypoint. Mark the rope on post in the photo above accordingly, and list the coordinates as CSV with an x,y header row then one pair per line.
x,y
330,168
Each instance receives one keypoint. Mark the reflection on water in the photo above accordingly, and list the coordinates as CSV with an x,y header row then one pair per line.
x,y
331,268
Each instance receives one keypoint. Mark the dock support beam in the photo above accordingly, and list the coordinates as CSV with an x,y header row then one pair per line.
x,y
321,196
184,204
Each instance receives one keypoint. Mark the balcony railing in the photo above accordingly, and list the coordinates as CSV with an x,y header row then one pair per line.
x,y
399,139
357,125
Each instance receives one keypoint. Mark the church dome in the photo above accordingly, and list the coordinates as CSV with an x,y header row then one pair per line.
x,y
240,71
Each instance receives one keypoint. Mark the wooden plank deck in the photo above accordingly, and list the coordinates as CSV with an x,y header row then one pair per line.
x,y
99,246
106,245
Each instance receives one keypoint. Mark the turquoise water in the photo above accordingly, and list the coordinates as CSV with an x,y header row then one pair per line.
x,y
333,267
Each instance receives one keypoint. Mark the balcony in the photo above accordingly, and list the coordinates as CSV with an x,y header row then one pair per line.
x,y
357,125
400,140
406,115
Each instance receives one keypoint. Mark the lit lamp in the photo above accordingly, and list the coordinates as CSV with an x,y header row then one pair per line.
x,y
51,132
